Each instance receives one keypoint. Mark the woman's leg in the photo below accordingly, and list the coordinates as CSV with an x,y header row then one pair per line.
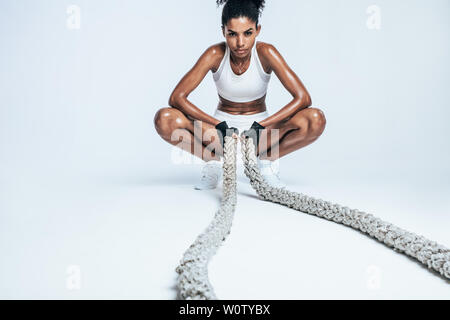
x,y
196,137
300,130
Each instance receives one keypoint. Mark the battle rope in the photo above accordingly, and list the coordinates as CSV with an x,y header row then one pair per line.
x,y
193,282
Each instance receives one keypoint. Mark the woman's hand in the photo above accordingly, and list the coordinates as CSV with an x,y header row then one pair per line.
x,y
254,132
224,131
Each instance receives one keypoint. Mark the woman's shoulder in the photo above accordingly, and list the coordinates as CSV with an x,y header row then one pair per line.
x,y
216,52
264,51
219,46
264,48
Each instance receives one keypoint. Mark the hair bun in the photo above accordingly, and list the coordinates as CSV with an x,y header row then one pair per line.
x,y
258,3
251,9
219,2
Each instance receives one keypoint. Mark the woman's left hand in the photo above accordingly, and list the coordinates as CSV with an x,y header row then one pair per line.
x,y
254,132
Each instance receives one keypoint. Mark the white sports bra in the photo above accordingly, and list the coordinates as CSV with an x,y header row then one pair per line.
x,y
249,86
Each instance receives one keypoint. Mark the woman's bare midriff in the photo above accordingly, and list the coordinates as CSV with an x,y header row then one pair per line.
x,y
244,108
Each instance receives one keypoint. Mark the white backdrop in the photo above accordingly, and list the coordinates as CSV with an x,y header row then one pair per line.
x,y
81,82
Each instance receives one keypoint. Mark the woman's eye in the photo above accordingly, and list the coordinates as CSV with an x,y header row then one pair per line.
x,y
233,34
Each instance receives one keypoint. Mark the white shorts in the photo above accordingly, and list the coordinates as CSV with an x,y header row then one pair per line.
x,y
240,121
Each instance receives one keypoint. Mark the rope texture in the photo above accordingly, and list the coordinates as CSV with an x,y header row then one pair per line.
x,y
193,282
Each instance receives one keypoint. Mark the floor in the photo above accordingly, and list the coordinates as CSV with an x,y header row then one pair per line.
x,y
122,238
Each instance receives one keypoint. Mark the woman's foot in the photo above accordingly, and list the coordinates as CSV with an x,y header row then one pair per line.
x,y
271,173
210,175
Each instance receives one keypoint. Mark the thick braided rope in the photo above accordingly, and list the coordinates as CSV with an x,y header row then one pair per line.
x,y
193,282
430,253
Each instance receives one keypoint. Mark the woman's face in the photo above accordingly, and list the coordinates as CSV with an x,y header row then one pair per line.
x,y
240,34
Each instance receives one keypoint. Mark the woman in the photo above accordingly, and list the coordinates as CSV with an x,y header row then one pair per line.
x,y
241,68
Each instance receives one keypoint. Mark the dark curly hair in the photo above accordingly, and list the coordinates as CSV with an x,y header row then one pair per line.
x,y
251,9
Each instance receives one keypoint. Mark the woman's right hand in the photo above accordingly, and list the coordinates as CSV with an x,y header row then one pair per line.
x,y
224,131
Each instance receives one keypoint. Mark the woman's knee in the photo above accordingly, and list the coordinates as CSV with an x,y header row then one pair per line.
x,y
311,119
318,120
166,120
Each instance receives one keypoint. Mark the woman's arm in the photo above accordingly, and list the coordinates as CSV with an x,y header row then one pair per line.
x,y
290,81
178,98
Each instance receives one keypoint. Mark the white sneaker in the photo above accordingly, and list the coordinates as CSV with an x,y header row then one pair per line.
x,y
270,172
210,176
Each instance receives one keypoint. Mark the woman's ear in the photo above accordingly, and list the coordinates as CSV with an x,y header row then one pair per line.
x,y
258,29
